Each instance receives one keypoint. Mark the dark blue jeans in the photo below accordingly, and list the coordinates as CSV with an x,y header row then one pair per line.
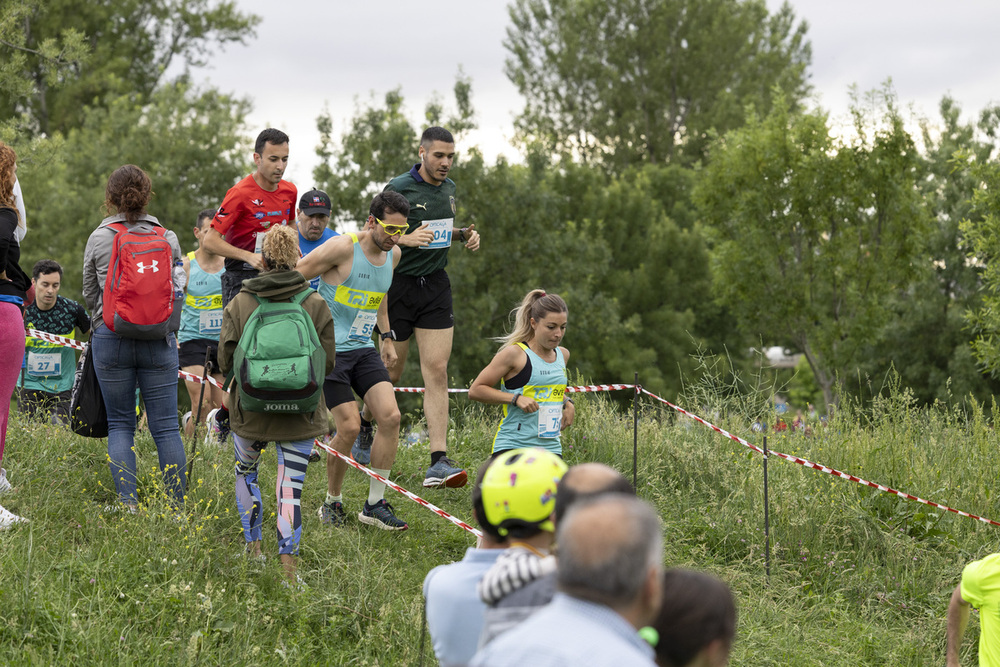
x,y
121,365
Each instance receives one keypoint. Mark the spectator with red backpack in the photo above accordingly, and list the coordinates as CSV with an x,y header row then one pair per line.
x,y
129,288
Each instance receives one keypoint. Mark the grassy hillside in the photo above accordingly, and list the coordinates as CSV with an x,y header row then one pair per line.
x,y
857,577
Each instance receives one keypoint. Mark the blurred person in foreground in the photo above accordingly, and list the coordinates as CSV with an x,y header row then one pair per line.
x,y
521,582
696,623
454,610
979,588
609,574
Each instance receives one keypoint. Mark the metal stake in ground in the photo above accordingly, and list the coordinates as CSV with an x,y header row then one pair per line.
x,y
635,432
767,522
197,419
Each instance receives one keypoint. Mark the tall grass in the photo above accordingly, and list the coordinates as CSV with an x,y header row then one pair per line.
x,y
857,577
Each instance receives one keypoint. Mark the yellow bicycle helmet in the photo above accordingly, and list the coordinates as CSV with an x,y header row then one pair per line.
x,y
519,489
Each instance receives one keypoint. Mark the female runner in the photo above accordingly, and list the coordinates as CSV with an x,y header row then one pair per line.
x,y
531,371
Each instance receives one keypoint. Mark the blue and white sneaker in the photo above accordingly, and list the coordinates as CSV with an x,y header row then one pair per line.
x,y
445,473
218,427
332,514
380,515
361,450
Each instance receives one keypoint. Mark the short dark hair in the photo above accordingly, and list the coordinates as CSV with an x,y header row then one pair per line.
x,y
432,134
391,201
568,494
696,610
206,213
269,136
45,267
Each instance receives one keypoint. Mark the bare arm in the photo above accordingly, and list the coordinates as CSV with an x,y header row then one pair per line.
x,y
469,236
213,242
324,260
387,346
506,363
569,410
958,618
420,236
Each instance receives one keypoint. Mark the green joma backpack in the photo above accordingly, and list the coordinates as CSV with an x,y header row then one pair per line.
x,y
279,362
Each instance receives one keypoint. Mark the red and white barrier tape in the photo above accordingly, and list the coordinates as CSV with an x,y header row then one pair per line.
x,y
396,487
58,340
598,387
191,377
822,468
420,390
80,345
572,390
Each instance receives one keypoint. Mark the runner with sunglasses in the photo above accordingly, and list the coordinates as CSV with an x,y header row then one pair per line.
x,y
355,271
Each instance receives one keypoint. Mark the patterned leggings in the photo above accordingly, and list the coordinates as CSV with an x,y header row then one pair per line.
x,y
293,457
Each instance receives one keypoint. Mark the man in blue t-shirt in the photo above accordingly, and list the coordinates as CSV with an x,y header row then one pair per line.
x,y
313,221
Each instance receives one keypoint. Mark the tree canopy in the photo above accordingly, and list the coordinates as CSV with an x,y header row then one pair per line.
x,y
61,56
622,82
813,235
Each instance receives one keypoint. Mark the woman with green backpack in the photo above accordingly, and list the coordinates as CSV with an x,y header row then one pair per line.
x,y
278,341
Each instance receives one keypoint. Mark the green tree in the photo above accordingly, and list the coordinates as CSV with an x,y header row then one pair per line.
x,y
630,81
624,251
981,232
532,239
814,235
659,275
192,143
55,58
67,55
927,340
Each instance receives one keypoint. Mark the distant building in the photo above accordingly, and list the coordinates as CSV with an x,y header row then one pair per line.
x,y
779,357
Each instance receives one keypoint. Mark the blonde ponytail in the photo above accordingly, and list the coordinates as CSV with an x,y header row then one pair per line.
x,y
535,305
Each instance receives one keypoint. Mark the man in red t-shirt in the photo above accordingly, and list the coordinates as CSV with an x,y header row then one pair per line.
x,y
237,232
250,208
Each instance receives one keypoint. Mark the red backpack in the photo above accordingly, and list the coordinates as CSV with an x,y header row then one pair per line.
x,y
139,291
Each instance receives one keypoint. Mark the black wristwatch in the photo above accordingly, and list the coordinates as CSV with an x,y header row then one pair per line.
x,y
388,334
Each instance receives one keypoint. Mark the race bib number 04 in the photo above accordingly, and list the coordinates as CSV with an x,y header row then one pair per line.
x,y
442,230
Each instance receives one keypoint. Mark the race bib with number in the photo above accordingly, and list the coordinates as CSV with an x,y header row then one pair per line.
x,y
442,230
363,326
549,420
47,364
210,322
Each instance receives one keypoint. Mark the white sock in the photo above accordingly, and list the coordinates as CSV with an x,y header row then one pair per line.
x,y
334,499
376,489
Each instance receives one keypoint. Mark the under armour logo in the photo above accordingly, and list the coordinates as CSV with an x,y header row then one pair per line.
x,y
143,267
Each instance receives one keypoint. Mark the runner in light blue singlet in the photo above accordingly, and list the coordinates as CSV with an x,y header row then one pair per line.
x,y
531,371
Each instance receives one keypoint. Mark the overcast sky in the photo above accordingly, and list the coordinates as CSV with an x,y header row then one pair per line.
x,y
311,54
